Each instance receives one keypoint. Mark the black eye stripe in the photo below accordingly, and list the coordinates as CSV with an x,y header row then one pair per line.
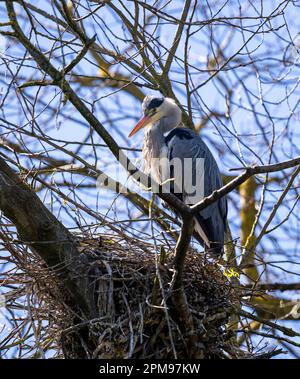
x,y
154,103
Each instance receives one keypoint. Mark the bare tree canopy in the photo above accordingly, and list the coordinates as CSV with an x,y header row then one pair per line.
x,y
94,265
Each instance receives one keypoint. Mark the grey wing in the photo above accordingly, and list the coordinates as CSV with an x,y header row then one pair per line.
x,y
211,221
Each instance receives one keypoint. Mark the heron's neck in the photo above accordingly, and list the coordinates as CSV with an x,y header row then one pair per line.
x,y
154,141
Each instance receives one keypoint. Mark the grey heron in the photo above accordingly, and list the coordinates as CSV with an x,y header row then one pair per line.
x,y
167,138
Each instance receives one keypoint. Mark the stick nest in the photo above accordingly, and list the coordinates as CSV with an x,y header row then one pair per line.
x,y
137,317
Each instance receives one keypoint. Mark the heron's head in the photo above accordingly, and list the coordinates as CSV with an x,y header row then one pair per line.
x,y
155,109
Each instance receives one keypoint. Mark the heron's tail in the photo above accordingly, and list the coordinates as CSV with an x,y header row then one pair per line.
x,y
211,236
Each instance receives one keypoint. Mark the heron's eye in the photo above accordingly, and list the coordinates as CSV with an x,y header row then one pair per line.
x,y
151,112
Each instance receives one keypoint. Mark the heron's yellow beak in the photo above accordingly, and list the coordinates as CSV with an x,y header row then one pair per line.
x,y
143,122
